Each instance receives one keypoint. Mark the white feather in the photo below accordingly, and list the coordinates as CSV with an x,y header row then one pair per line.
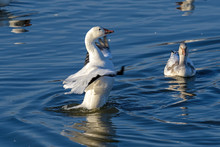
x,y
80,80
174,57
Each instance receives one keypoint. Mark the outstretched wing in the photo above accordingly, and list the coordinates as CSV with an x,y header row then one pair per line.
x,y
80,80
102,44
104,47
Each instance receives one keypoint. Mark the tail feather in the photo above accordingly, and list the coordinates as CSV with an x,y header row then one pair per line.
x,y
121,71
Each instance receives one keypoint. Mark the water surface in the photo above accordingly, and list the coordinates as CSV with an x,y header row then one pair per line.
x,y
42,43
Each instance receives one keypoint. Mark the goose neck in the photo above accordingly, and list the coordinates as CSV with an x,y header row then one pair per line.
x,y
94,53
182,60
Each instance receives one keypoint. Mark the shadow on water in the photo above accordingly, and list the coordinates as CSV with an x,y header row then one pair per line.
x,y
96,130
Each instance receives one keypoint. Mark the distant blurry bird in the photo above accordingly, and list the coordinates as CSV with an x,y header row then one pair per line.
x,y
186,5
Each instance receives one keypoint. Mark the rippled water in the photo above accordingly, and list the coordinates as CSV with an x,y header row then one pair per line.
x,y
42,42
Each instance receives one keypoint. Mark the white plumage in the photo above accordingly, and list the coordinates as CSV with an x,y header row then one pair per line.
x,y
97,93
180,65
96,78
80,80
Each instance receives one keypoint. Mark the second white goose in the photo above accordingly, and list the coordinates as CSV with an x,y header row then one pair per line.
x,y
180,65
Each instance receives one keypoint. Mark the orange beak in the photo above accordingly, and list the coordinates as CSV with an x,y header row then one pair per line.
x,y
108,31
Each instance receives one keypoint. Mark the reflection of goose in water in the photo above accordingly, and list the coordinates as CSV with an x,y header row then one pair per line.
x,y
186,5
186,88
8,19
19,23
96,130
184,85
4,2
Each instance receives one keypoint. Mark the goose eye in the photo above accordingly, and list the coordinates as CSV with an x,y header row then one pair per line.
x,y
100,29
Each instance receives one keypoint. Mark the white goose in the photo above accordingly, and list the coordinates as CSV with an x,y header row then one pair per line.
x,y
96,78
180,65
4,2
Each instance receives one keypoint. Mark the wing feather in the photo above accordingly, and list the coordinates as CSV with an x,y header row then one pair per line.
x,y
171,63
80,80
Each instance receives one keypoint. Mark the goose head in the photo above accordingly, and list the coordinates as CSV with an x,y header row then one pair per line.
x,y
97,32
183,49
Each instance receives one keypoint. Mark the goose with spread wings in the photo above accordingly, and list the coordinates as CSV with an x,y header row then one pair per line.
x,y
96,78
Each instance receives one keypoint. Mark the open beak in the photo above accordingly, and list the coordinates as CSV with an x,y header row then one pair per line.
x,y
108,31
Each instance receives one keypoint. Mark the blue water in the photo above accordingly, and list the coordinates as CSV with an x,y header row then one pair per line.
x,y
145,108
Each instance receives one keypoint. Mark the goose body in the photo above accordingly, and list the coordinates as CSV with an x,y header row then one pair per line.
x,y
97,93
180,64
96,78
